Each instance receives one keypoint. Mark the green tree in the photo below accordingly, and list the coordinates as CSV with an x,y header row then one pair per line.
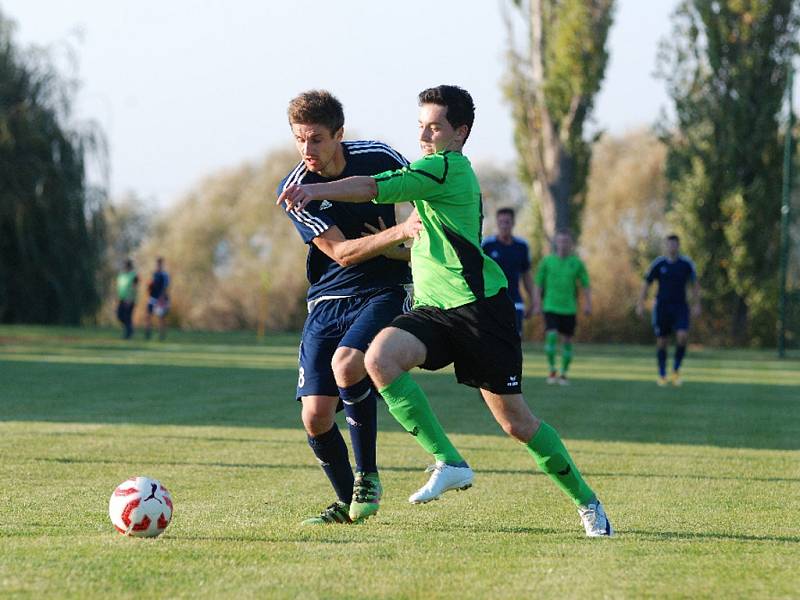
x,y
51,220
725,66
552,81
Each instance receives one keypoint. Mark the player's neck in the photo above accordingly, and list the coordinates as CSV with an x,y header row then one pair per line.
x,y
336,165
506,239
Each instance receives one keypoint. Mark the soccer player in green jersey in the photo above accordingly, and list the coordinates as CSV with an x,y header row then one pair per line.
x,y
559,275
462,313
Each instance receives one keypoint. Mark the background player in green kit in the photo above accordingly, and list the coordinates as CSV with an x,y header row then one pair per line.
x,y
559,276
462,313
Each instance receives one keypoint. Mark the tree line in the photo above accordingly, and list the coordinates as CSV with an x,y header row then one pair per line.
x,y
712,173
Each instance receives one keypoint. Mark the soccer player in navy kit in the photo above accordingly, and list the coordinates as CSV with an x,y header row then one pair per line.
x,y
357,288
671,311
514,257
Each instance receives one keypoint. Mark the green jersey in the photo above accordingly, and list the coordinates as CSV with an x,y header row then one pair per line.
x,y
448,265
126,286
559,278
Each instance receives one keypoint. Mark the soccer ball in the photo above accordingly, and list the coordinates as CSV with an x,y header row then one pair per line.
x,y
140,507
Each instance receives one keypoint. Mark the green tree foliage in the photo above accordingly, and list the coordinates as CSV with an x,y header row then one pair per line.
x,y
51,221
234,258
552,81
624,225
726,67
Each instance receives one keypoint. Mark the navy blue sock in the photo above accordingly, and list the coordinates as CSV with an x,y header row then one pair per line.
x,y
360,407
331,452
662,361
680,352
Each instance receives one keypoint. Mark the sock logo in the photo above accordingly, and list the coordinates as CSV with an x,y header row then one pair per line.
x,y
352,422
415,431
565,472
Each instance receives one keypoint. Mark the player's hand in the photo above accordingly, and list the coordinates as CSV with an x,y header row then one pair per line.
x,y
371,229
529,311
296,196
537,308
696,310
639,309
412,226
587,310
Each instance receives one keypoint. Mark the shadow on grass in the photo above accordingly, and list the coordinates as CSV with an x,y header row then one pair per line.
x,y
414,469
716,414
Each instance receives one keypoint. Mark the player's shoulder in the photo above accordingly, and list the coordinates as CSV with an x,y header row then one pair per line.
x,y
489,240
657,262
685,259
520,242
373,148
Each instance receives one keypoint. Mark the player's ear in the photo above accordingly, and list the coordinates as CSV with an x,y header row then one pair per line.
x,y
339,134
462,133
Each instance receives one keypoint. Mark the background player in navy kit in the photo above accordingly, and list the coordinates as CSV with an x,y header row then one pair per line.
x,y
158,301
356,290
671,311
514,257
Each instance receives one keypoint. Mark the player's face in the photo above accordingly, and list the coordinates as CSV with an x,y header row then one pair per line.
x,y
436,133
317,145
505,224
672,247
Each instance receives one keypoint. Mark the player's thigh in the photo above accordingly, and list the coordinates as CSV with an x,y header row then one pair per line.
x,y
512,414
321,336
372,314
318,413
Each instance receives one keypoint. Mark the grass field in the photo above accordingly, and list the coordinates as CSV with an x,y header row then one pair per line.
x,y
702,483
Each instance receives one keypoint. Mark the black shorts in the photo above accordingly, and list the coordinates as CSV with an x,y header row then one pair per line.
x,y
479,338
564,324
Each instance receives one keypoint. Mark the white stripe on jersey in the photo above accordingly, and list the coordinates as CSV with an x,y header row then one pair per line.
x,y
362,147
315,224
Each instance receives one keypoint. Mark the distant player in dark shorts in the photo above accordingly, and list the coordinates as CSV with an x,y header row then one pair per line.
x,y
157,301
462,313
514,257
127,287
357,288
671,312
558,278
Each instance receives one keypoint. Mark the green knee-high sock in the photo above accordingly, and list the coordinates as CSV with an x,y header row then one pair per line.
x,y
552,457
550,340
566,357
410,407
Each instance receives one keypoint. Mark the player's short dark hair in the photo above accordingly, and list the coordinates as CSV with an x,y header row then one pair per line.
x,y
128,264
506,211
459,104
317,107
674,238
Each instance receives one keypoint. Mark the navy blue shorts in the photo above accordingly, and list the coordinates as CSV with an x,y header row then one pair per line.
x,y
351,322
668,318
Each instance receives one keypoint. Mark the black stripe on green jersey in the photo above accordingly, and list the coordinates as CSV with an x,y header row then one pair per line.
x,y
471,259
439,180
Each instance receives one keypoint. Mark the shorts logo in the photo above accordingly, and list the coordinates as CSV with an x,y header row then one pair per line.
x,y
415,431
513,381
325,204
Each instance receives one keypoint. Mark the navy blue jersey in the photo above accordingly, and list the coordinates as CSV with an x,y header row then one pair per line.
x,y
672,278
326,276
514,259
159,284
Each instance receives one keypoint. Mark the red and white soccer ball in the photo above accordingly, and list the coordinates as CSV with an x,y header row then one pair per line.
x,y
140,507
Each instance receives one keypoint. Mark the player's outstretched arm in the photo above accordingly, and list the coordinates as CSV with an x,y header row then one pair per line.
x,y
696,299
351,189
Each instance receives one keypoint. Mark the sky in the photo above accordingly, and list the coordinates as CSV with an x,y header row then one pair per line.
x,y
188,87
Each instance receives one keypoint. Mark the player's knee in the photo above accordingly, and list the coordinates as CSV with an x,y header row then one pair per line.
x,y
348,366
380,364
317,422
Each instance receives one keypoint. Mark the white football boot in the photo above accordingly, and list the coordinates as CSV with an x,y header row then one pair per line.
x,y
595,521
443,478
